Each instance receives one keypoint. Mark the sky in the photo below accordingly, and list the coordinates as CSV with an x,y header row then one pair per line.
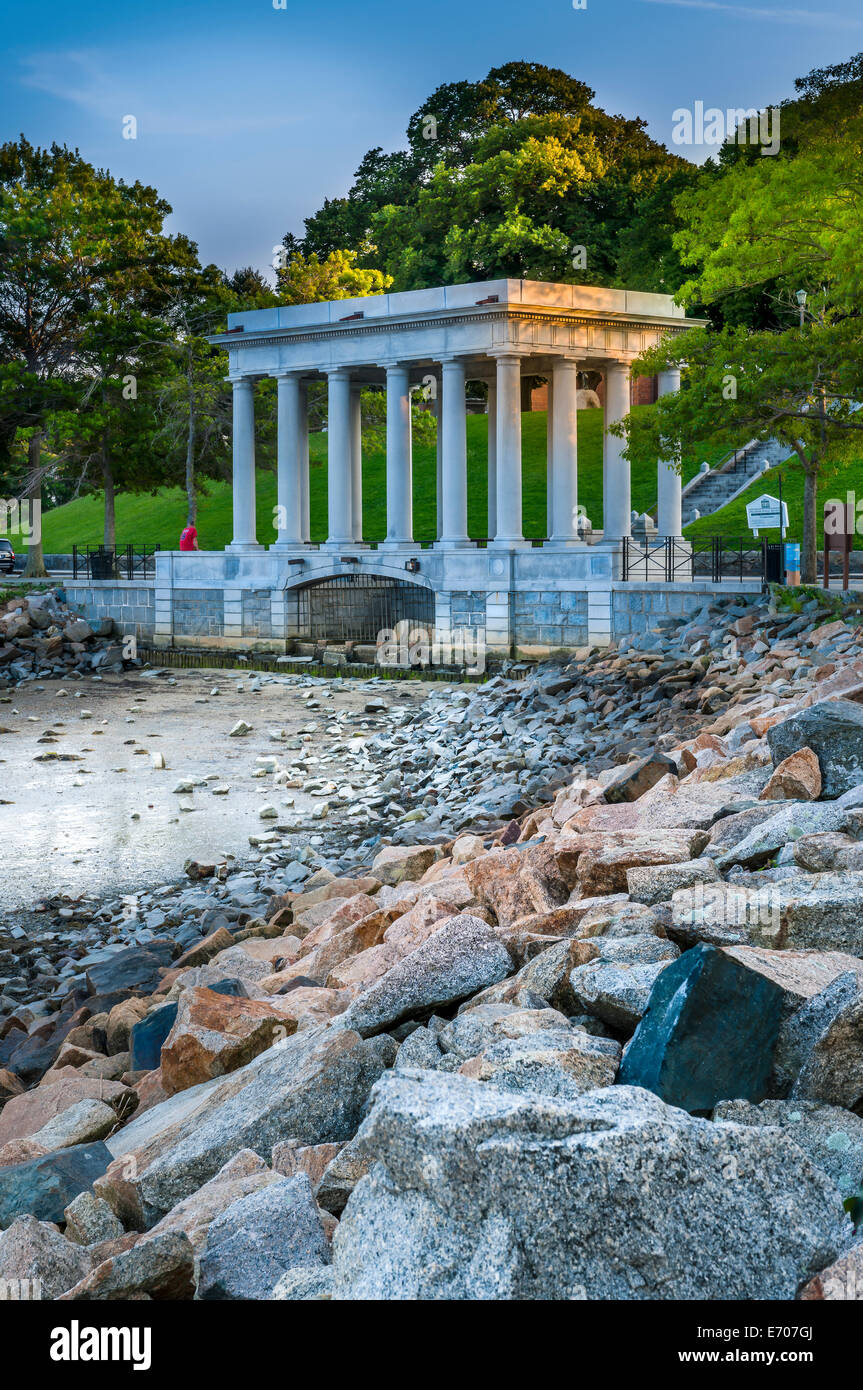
x,y
248,113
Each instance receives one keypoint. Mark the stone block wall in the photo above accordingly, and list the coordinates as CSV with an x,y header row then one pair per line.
x,y
467,608
198,612
550,618
132,606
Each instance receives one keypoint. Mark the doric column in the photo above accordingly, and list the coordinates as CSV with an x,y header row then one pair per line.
x,y
564,451
339,508
289,452
305,500
243,480
356,464
617,494
454,461
438,411
549,457
399,460
492,459
509,525
669,485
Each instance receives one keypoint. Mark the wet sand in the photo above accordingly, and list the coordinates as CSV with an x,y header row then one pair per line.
x,y
70,827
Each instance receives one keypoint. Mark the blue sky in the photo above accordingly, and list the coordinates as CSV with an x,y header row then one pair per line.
x,y
248,116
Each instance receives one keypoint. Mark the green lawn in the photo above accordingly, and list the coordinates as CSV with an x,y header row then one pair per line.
x,y
157,519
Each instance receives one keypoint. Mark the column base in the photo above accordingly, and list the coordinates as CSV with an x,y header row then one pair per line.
x,y
454,543
245,547
509,543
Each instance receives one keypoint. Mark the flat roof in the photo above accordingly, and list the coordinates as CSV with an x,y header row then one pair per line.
x,y
488,294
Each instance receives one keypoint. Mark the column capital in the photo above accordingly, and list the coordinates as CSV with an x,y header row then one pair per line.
x,y
289,374
245,381
338,373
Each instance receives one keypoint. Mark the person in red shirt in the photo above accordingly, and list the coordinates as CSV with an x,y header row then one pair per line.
x,y
189,538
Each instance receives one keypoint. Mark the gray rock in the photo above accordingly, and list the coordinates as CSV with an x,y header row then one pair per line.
x,y
794,820
36,1251
161,1266
616,993
478,1028
833,729
803,1027
342,1174
89,1220
830,1137
564,1063
656,885
79,1124
314,1088
419,1049
833,1071
480,1194
463,956
259,1238
307,1283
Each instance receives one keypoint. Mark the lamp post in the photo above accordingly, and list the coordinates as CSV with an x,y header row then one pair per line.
x,y
801,300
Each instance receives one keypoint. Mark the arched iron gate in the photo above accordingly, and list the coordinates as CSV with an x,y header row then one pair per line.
x,y
357,607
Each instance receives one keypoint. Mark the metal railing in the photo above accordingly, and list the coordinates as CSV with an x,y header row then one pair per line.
x,y
114,562
716,558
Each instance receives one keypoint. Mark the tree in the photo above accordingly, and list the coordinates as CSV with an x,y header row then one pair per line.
x,y
771,228
738,385
82,257
517,174
307,279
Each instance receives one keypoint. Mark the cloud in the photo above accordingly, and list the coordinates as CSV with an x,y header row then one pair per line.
x,y
785,16
98,83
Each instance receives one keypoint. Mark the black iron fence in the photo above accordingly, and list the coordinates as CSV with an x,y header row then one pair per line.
x,y
356,607
114,562
707,557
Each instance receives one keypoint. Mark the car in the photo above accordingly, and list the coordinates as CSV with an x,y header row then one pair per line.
x,y
7,556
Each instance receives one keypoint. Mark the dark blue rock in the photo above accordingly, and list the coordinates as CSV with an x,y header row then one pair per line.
x,y
148,1035
138,968
44,1187
708,1033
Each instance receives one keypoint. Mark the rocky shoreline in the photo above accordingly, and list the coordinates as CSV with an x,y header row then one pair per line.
x,y
573,1008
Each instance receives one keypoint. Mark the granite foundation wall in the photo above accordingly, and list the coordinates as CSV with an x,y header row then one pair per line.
x,y
132,606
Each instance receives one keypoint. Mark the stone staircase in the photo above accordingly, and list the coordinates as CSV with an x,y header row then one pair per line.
x,y
715,487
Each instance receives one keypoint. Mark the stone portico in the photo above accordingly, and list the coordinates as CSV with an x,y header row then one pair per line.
x,y
522,595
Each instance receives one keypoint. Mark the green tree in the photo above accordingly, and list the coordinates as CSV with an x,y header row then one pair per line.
x,y
77,250
308,279
508,176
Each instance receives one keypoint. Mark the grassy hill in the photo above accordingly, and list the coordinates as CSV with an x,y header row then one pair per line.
x,y
157,519
731,520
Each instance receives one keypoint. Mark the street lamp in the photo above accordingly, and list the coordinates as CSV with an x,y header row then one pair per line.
x,y
801,300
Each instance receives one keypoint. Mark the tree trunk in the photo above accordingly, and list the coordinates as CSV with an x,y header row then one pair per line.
x,y
35,566
191,492
109,538
809,547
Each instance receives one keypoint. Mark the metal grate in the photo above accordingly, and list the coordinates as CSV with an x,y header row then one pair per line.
x,y
357,607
